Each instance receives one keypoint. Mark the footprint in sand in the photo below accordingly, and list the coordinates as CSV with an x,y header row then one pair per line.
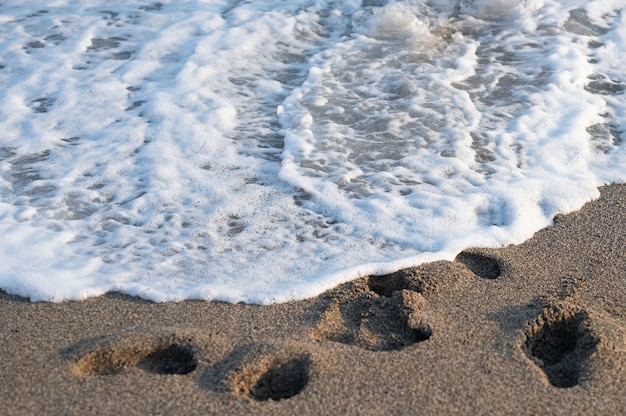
x,y
560,343
383,313
379,316
260,372
480,264
274,379
153,354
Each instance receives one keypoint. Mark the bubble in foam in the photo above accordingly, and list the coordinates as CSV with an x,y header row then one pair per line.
x,y
397,21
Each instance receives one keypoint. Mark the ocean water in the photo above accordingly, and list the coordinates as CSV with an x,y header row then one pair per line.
x,y
264,151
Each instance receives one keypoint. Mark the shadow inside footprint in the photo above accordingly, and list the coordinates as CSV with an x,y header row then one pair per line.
x,y
385,285
560,344
173,359
282,381
480,264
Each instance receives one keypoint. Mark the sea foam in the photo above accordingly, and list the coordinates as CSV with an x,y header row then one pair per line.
x,y
268,151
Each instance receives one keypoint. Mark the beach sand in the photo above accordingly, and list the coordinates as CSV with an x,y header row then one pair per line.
x,y
536,328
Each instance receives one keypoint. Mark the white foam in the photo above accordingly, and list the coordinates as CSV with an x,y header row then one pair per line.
x,y
500,10
268,151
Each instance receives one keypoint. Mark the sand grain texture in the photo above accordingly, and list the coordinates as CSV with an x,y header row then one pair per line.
x,y
537,328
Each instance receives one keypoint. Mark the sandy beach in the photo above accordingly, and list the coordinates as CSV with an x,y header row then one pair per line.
x,y
536,328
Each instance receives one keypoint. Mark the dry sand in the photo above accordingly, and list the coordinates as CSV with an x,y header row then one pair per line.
x,y
537,328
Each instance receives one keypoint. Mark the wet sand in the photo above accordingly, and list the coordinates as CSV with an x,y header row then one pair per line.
x,y
536,328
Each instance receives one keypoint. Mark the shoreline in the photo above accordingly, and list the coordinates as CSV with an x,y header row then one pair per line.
x,y
532,328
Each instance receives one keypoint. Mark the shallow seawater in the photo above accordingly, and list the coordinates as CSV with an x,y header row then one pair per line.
x,y
265,151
